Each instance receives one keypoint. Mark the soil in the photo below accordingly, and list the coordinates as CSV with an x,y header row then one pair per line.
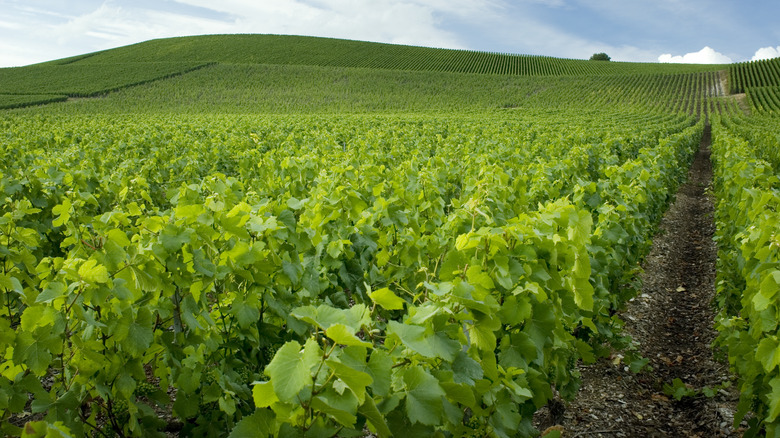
x,y
671,321
723,78
742,102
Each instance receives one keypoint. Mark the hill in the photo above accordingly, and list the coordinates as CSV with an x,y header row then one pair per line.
x,y
240,64
331,52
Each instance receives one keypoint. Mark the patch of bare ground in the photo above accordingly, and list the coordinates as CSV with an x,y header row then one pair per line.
x,y
723,78
742,102
672,323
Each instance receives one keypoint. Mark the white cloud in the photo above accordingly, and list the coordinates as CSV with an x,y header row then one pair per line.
x,y
525,34
707,55
766,53
113,23
10,25
36,33
403,22
549,3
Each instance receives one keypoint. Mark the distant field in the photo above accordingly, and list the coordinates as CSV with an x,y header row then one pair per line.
x,y
85,80
8,101
314,89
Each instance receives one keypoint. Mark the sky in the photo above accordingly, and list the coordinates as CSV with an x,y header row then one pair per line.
x,y
694,31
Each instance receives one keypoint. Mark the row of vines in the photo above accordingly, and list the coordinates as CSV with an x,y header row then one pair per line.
x,y
746,75
318,275
746,157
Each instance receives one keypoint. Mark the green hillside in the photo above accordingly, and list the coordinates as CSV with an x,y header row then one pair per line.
x,y
297,50
275,72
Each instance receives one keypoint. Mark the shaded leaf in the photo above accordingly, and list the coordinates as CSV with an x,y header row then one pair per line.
x,y
260,424
423,396
355,380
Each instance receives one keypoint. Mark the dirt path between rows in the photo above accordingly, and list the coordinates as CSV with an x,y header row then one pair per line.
x,y
671,321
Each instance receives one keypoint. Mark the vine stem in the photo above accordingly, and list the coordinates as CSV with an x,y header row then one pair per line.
x,y
66,339
325,355
95,428
177,325
8,293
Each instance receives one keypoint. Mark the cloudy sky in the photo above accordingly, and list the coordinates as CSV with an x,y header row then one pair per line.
x,y
715,31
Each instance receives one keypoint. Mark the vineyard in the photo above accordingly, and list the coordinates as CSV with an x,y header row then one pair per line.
x,y
288,236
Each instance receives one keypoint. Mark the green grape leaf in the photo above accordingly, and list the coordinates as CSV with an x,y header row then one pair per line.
x,y
325,316
774,400
62,211
52,291
452,265
768,353
38,316
767,291
246,314
380,365
135,333
466,370
261,423
343,335
290,368
32,352
416,338
91,272
118,237
43,429
581,268
506,418
376,421
342,407
190,212
296,204
580,225
355,380
10,283
173,238
115,255
479,278
186,407
125,384
583,293
482,333
459,393
423,396
387,299
263,394
515,310
202,264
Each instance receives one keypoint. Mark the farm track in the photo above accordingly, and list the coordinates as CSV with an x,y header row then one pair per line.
x,y
672,322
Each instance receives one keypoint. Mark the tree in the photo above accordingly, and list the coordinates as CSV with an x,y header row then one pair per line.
x,y
600,57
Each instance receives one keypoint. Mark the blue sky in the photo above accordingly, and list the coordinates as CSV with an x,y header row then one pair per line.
x,y
629,30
